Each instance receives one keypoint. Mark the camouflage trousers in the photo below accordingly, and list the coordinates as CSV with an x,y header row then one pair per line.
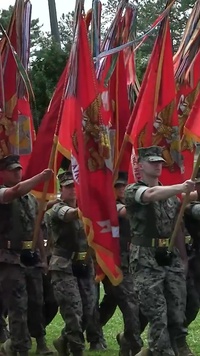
x,y
20,286
75,297
193,294
126,299
193,290
162,296
94,331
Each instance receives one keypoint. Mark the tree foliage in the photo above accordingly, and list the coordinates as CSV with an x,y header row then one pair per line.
x,y
47,59
147,12
45,71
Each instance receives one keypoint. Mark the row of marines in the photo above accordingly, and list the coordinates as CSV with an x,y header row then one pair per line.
x,y
159,288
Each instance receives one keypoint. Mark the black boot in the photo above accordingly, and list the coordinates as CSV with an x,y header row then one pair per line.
x,y
128,346
183,347
97,346
124,347
42,348
61,346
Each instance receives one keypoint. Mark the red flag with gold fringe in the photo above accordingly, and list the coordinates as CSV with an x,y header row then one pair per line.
x,y
155,117
91,164
46,135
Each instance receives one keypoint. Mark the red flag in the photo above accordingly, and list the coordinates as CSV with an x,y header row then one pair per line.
x,y
187,74
46,135
155,117
26,131
192,125
92,172
8,106
115,98
16,118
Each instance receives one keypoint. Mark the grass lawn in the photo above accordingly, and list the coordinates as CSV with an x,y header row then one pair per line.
x,y
112,328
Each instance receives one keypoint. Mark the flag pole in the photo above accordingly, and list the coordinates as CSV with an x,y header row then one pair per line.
x,y
42,201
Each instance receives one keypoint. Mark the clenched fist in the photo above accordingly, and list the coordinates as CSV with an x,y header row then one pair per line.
x,y
47,174
188,186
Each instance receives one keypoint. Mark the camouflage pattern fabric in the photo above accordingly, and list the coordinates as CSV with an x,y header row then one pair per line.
x,y
192,222
161,290
34,286
27,207
18,285
126,299
75,297
16,279
94,330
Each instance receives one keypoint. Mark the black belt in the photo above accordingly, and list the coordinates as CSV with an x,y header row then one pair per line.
x,y
148,242
16,245
73,255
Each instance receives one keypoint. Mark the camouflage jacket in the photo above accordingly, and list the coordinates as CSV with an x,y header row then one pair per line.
x,y
192,223
124,236
18,226
67,236
165,213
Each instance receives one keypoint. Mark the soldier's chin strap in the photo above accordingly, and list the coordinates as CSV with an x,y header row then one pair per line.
x,y
183,206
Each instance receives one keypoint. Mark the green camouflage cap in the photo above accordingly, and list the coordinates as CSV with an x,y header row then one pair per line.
x,y
66,178
122,178
10,162
150,154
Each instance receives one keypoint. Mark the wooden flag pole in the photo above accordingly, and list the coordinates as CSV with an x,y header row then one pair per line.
x,y
42,201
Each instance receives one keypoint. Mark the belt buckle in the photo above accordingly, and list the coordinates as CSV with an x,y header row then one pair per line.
x,y
188,240
81,256
27,245
163,243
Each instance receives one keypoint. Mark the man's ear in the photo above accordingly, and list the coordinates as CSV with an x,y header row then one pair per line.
x,y
140,166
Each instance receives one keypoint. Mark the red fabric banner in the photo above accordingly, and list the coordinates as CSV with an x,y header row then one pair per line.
x,y
91,165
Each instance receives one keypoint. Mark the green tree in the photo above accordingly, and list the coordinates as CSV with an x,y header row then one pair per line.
x,y
45,71
47,61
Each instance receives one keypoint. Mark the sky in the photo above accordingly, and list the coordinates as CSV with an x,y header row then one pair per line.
x,y
40,9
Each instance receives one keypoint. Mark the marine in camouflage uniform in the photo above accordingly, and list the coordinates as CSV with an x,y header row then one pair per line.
x,y
192,223
18,209
123,295
159,277
71,274
50,305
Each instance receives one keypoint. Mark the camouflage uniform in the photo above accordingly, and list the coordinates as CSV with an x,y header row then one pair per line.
x,y
124,296
161,289
17,224
192,223
16,232
72,279
50,308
